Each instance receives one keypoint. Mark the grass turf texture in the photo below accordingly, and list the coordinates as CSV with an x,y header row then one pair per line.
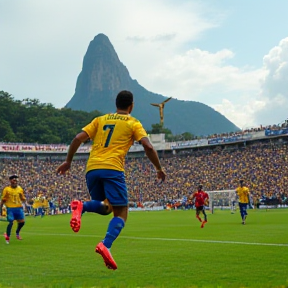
x,y
155,249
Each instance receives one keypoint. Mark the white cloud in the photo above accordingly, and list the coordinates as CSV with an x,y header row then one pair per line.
x,y
204,76
209,78
43,44
241,115
269,104
274,89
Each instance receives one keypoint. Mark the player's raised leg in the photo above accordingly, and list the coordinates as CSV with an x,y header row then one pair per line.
x,y
199,218
78,208
205,218
198,214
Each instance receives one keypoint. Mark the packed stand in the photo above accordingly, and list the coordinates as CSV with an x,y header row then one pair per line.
x,y
263,166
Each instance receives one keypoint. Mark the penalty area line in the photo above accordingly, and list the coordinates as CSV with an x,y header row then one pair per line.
x,y
164,239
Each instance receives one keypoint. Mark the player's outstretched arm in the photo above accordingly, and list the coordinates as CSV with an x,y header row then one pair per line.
x,y
2,202
75,144
153,157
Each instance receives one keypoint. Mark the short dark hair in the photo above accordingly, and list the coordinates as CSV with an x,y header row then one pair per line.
x,y
124,99
13,177
200,186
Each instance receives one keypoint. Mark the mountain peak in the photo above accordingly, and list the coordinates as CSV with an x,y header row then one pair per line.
x,y
100,46
101,37
102,40
103,76
101,71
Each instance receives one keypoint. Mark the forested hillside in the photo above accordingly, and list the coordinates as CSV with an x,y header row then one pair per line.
x,y
29,121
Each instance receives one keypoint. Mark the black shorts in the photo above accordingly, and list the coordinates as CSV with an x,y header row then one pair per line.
x,y
200,208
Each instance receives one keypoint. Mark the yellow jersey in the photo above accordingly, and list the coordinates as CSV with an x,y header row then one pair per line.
x,y
243,193
112,135
13,197
37,203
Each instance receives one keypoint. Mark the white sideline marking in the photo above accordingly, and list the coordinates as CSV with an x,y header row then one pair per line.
x,y
167,239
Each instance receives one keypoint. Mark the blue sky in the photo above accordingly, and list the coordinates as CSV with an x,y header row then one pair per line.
x,y
249,28
229,54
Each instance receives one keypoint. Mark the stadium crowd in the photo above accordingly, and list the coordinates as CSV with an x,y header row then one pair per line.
x,y
263,166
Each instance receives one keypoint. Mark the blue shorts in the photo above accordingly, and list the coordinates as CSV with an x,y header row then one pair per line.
x,y
106,183
243,208
15,214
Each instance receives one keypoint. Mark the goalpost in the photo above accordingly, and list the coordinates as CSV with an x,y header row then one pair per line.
x,y
222,199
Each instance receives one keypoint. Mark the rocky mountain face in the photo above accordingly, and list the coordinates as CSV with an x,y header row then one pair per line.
x,y
103,76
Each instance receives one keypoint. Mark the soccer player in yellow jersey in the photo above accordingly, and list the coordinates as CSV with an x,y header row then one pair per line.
x,y
112,135
13,197
36,205
244,200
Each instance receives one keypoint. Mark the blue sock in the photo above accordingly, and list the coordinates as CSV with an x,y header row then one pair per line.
x,y
113,231
95,206
20,225
9,228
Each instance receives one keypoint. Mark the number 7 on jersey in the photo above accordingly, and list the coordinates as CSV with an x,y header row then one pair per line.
x,y
111,129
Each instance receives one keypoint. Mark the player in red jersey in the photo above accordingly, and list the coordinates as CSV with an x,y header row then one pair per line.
x,y
201,199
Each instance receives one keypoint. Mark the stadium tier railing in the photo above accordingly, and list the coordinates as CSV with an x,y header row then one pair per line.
x,y
84,149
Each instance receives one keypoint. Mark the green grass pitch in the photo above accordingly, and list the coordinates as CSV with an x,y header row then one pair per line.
x,y
155,249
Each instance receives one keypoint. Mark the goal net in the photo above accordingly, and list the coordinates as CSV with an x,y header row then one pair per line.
x,y
224,199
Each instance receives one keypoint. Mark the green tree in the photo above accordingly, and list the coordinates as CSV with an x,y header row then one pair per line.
x,y
30,121
159,129
187,136
6,132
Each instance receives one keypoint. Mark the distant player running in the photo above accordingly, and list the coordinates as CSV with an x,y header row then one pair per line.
x,y
244,200
13,197
201,199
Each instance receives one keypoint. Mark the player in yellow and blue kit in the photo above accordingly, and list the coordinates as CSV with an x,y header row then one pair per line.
x,y
112,135
244,200
13,197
